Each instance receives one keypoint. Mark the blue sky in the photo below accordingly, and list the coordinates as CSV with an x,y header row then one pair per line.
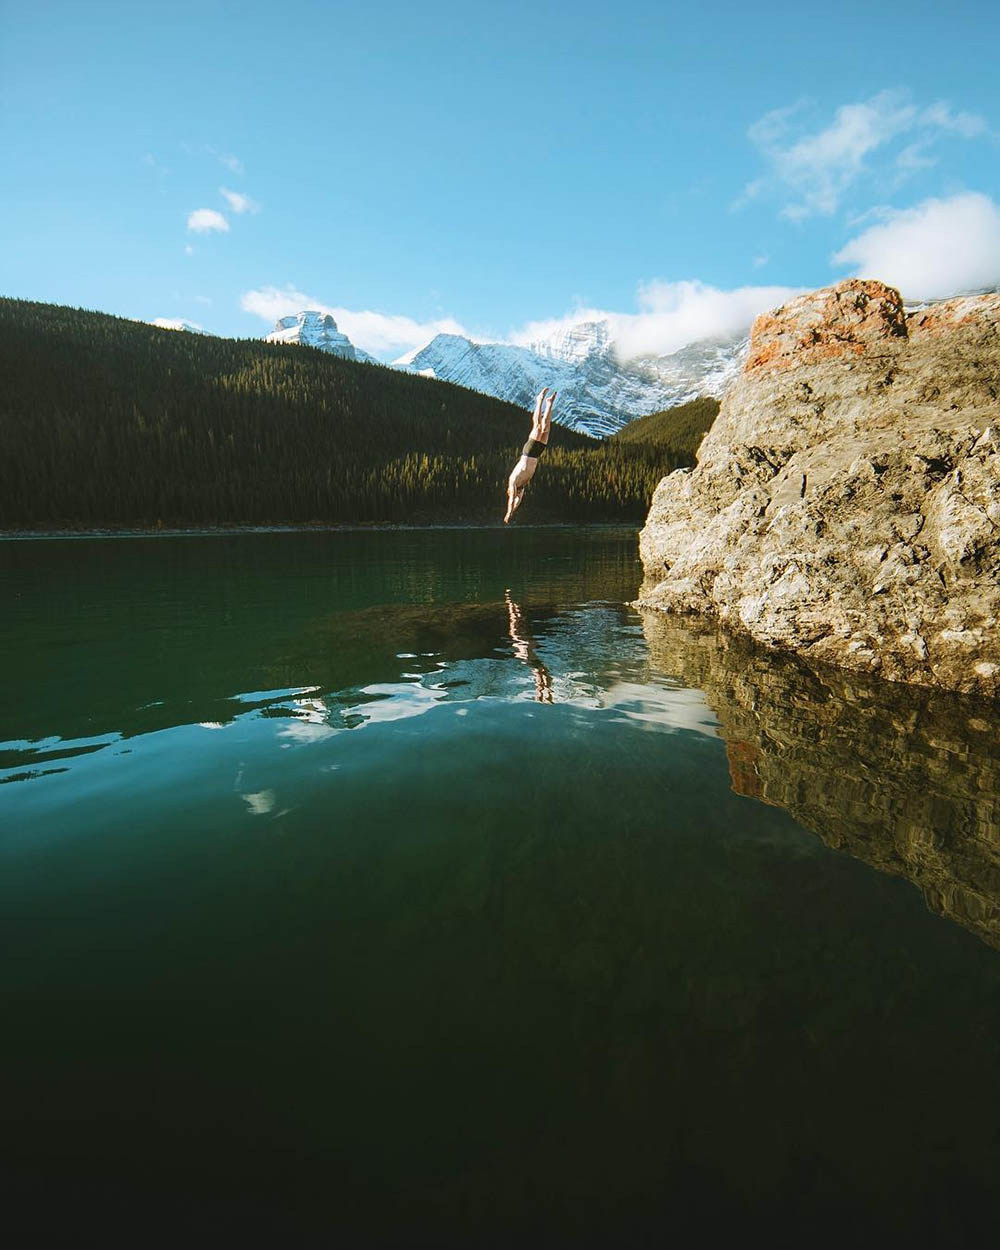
x,y
490,167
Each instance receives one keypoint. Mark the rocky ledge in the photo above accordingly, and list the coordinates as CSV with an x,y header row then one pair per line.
x,y
845,505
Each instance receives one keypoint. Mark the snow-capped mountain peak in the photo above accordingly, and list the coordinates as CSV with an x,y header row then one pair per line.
x,y
178,323
598,393
574,343
313,328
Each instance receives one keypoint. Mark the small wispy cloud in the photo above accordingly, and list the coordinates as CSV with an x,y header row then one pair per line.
x,y
914,157
938,248
226,159
820,165
203,220
239,202
382,334
941,115
156,167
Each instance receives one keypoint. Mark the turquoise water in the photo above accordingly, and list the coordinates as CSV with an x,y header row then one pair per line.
x,y
408,887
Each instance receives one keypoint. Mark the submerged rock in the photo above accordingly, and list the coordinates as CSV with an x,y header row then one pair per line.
x,y
907,780
846,502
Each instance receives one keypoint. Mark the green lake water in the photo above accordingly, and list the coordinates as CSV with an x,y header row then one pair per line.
x,y
411,888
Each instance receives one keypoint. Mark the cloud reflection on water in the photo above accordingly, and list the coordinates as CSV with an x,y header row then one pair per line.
x,y
904,779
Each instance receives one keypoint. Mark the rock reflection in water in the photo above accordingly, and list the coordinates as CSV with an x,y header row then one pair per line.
x,y
907,780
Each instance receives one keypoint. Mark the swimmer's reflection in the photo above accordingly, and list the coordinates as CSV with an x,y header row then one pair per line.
x,y
524,649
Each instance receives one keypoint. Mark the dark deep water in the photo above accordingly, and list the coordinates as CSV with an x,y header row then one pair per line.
x,y
408,888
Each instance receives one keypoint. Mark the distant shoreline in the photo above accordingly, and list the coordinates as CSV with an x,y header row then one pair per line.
x,y
210,531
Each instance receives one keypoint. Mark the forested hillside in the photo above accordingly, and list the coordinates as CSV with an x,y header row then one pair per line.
x,y
106,421
676,430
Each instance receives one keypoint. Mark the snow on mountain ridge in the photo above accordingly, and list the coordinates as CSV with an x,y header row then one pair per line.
x,y
574,343
598,393
312,328
178,323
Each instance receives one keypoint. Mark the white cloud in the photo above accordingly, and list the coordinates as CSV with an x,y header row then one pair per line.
x,y
188,249
382,334
671,315
238,202
820,166
204,219
537,331
176,323
941,247
385,334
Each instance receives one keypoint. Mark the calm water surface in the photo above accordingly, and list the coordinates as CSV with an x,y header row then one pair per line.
x,y
409,888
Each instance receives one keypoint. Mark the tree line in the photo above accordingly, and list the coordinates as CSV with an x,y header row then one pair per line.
x,y
111,422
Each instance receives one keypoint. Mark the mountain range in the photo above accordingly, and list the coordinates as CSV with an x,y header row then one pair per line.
x,y
598,392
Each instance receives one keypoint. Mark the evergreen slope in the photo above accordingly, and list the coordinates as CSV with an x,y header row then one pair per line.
x,y
106,421
678,430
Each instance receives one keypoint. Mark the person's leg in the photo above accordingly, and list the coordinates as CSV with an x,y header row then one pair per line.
x,y
546,422
537,417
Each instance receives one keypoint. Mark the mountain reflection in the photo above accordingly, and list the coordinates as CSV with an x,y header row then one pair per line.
x,y
906,779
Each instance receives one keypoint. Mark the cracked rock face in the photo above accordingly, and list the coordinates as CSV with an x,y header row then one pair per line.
x,y
846,502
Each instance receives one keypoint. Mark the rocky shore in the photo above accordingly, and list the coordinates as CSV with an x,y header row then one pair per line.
x,y
845,505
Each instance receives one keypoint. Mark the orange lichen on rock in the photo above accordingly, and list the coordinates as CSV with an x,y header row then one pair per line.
x,y
966,310
842,320
743,774
845,505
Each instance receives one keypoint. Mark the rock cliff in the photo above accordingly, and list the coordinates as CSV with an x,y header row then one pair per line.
x,y
846,502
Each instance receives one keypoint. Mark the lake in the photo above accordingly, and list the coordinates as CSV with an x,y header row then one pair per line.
x,y
408,887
